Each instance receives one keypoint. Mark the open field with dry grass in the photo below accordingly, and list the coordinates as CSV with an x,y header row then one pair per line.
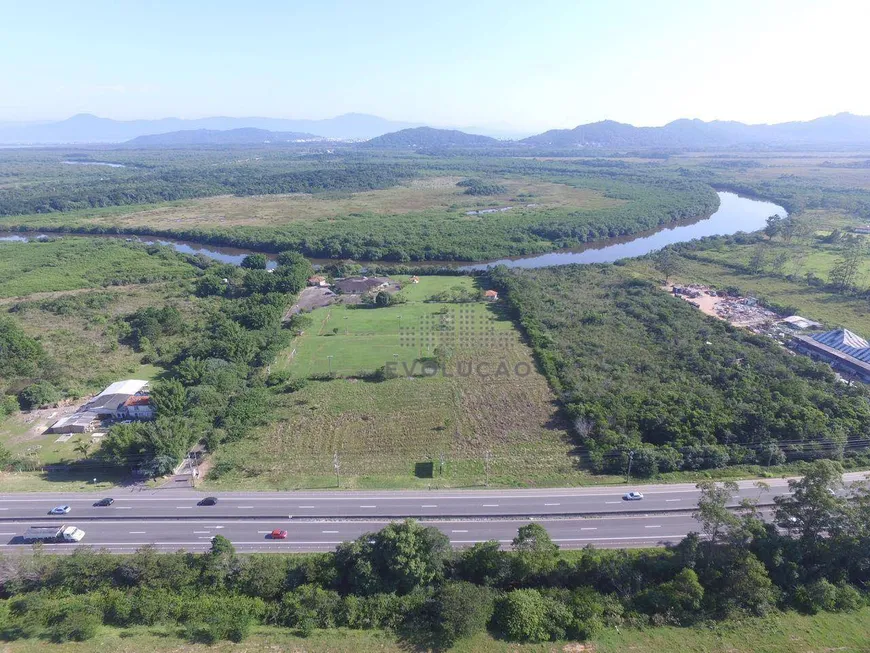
x,y
419,195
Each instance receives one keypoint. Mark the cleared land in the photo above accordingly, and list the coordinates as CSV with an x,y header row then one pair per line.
x,y
487,397
418,195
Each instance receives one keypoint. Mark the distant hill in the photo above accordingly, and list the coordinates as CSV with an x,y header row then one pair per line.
x,y
841,129
86,128
242,136
425,137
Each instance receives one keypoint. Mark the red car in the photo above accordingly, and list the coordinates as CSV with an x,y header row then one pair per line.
x,y
279,534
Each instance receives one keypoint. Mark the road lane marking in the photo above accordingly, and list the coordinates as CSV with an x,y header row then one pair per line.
x,y
202,537
332,532
458,531
195,532
656,526
613,502
490,505
245,507
124,508
137,532
552,504
184,507
589,528
673,499
305,507
263,532
429,505
368,506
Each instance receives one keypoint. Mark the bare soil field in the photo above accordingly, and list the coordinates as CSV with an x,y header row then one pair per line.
x,y
419,195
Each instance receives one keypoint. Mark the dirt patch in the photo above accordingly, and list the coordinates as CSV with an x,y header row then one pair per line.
x,y
311,298
738,311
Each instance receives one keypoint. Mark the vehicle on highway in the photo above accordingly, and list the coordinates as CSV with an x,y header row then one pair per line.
x,y
208,501
53,534
278,534
59,510
632,496
108,501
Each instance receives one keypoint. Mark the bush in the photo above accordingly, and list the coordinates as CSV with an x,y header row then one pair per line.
x,y
39,394
523,616
461,610
75,622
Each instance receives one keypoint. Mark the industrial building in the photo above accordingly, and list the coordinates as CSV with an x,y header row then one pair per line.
x,y
122,400
846,352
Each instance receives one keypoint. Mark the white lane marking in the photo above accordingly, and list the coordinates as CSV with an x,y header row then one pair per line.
x,y
656,526
184,507
137,532
305,507
124,508
552,504
490,505
205,537
333,532
195,532
368,506
458,531
589,528
673,499
429,505
263,532
7,533
245,507
613,502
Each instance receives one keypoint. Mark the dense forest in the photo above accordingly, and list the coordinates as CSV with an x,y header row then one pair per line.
x,y
406,578
648,377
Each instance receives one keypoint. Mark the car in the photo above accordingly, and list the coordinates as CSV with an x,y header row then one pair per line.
x,y
208,501
59,510
278,534
632,496
108,501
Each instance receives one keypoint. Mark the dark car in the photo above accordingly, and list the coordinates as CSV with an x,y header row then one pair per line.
x,y
208,501
108,501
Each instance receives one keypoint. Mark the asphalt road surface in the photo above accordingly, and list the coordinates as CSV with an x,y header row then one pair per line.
x,y
172,520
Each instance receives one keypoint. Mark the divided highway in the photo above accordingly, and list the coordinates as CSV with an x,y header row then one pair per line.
x,y
171,519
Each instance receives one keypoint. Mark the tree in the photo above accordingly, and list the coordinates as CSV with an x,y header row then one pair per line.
x,y
758,259
814,510
679,598
845,270
668,262
255,262
20,355
774,225
484,564
712,512
527,616
39,394
536,553
382,299
83,448
169,398
461,610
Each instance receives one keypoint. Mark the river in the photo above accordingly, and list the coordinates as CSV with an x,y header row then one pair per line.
x,y
735,214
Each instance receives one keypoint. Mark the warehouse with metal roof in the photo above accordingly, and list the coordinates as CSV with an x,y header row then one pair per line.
x,y
846,352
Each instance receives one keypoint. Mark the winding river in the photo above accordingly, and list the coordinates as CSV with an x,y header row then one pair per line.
x,y
735,214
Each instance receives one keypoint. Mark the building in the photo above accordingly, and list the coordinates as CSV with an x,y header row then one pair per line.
x,y
415,279
360,285
865,229
109,404
490,295
318,280
136,407
845,351
799,323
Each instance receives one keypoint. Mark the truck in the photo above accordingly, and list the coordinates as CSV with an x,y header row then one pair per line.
x,y
53,534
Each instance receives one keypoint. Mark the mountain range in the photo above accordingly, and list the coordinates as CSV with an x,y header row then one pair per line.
x,y
838,130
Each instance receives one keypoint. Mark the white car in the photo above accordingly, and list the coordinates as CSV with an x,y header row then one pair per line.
x,y
632,496
59,510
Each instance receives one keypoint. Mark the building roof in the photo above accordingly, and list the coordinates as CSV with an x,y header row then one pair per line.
x,y
359,284
490,293
76,419
800,322
847,342
113,397
138,400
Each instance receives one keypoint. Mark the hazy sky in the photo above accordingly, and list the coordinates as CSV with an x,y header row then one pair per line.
x,y
529,63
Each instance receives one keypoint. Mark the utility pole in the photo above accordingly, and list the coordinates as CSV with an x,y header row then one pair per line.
x,y
630,459
441,466
336,465
329,358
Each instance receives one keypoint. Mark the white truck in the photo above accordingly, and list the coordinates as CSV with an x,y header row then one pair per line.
x,y
53,534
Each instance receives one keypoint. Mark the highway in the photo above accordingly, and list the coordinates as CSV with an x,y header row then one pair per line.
x,y
170,519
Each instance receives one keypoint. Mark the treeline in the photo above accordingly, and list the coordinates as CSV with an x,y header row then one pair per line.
x,y
648,380
645,202
407,578
186,178
214,391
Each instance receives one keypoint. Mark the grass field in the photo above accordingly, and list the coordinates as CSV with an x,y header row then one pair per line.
x,y
440,193
72,263
785,633
383,430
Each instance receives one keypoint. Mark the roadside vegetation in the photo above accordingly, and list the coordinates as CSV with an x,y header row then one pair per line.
x,y
407,580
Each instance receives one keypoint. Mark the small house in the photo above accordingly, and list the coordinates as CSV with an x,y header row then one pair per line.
x,y
136,407
490,295
318,281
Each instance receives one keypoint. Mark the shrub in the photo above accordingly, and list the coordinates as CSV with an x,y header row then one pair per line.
x,y
461,610
74,622
39,394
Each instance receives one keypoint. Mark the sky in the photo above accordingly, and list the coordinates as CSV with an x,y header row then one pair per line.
x,y
530,65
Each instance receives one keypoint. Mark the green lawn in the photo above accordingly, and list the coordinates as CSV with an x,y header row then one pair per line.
x,y
781,633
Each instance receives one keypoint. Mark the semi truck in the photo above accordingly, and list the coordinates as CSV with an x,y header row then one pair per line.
x,y
53,534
